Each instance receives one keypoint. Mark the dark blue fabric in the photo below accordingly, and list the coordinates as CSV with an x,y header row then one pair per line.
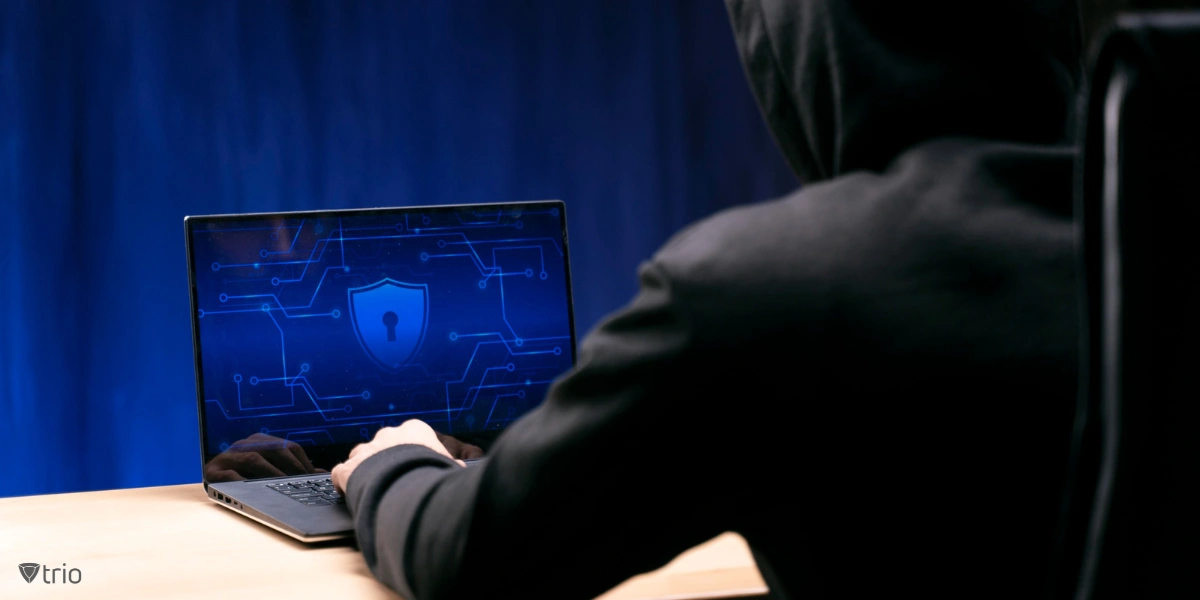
x,y
119,118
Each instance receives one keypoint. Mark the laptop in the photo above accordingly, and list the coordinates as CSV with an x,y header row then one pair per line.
x,y
313,330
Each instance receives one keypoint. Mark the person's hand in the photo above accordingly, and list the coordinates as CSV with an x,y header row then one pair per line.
x,y
259,455
412,431
458,448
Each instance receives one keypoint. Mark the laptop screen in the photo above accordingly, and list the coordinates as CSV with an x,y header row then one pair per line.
x,y
321,328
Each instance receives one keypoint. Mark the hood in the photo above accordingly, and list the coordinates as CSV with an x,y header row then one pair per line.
x,y
850,84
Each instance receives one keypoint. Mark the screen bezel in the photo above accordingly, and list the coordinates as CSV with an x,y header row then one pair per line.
x,y
320,454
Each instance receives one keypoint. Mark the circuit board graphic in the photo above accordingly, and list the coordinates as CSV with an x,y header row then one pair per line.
x,y
323,329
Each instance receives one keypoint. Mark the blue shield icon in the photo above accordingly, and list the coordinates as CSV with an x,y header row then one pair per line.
x,y
389,319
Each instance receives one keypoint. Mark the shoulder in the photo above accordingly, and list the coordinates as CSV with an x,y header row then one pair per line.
x,y
933,198
939,221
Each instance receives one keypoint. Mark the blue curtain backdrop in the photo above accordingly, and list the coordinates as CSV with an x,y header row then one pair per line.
x,y
119,118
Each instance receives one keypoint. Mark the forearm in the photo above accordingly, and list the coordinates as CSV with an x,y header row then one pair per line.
x,y
387,511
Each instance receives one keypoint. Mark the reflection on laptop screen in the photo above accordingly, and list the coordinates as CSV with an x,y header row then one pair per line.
x,y
321,328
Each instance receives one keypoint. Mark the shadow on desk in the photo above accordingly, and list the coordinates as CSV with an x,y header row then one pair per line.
x,y
172,542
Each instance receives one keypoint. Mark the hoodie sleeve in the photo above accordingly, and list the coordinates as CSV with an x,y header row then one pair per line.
x,y
600,482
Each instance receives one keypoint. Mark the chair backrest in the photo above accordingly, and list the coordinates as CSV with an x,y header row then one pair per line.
x,y
1138,198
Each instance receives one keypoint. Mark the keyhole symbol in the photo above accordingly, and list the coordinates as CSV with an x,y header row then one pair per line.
x,y
389,320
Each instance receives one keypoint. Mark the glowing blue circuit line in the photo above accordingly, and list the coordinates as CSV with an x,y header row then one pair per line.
x,y
501,385
512,341
376,228
496,222
474,255
303,272
280,309
494,403
479,226
301,431
503,309
227,312
324,274
303,383
283,308
259,265
328,314
466,372
282,347
476,389
243,408
296,237
309,412
314,397
210,231
541,255
259,416
488,275
537,339
482,377
369,420
319,243
481,242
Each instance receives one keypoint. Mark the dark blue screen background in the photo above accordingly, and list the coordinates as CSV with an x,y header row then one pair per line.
x,y
290,331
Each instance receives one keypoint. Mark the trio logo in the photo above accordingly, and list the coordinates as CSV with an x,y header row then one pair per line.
x,y
30,570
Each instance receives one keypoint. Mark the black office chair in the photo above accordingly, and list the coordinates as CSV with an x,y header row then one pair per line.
x,y
1134,510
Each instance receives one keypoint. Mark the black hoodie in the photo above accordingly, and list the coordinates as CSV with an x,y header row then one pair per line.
x,y
871,379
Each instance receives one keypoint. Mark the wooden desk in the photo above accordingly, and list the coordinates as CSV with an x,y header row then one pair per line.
x,y
172,542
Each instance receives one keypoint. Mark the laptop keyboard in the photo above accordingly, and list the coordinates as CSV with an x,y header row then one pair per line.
x,y
312,492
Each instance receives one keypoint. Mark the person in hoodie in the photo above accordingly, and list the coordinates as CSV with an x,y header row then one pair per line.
x,y
871,379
